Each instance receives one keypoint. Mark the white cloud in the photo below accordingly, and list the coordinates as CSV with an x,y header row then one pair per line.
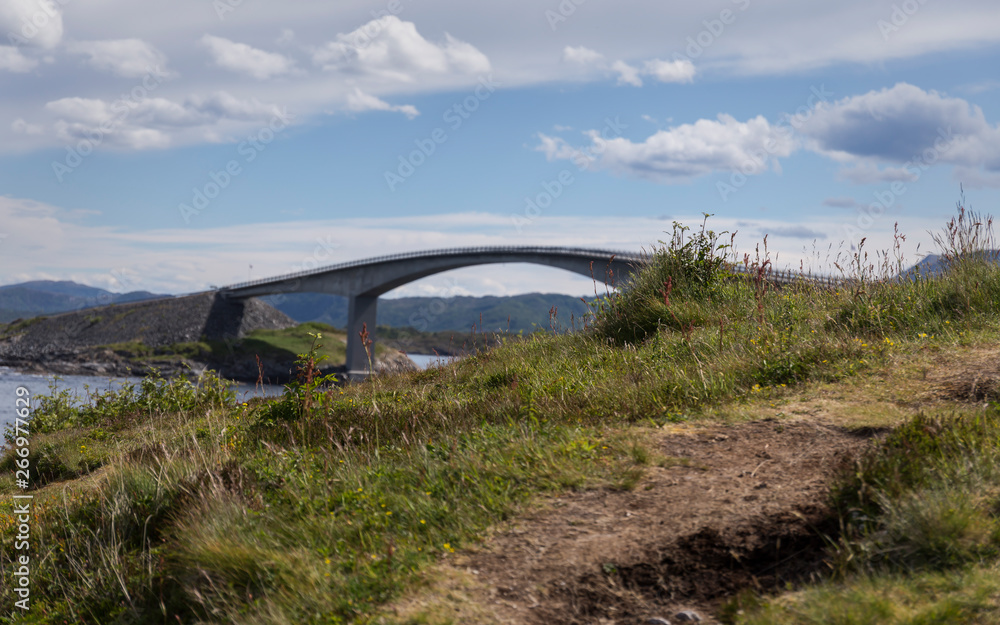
x,y
681,70
903,124
131,58
359,101
150,123
393,49
627,75
244,59
582,55
12,60
683,152
31,23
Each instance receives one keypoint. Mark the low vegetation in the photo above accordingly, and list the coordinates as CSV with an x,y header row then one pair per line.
x,y
171,502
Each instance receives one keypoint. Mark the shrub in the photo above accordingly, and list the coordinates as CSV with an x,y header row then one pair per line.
x,y
684,270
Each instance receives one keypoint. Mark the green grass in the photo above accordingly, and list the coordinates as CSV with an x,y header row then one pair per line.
x,y
321,506
285,344
961,596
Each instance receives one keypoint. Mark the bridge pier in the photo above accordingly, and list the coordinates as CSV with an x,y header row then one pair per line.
x,y
360,312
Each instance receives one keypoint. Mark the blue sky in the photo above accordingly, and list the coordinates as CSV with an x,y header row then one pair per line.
x,y
174,147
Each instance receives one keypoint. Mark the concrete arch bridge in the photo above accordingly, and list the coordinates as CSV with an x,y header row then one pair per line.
x,y
363,281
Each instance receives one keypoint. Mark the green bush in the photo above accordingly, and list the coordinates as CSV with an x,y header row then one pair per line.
x,y
679,273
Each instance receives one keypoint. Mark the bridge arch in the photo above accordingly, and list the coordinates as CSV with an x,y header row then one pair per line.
x,y
363,281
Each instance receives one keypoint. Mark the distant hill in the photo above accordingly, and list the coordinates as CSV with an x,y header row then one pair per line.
x,y
934,263
46,297
427,314
432,314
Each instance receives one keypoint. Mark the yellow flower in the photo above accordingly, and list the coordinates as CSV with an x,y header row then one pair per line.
x,y
423,522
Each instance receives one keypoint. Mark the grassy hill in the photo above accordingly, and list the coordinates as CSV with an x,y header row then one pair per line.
x,y
759,454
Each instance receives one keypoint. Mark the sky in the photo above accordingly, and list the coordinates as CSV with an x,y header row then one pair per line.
x,y
172,146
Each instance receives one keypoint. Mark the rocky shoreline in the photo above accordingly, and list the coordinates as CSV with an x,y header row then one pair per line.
x,y
108,362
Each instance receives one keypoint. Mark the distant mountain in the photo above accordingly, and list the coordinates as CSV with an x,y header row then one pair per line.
x,y
934,263
432,314
47,297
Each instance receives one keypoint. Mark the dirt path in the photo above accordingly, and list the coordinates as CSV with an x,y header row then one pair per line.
x,y
733,507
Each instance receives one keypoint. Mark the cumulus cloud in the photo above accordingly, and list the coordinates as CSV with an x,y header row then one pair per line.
x,y
627,75
902,125
31,23
149,123
582,55
12,60
244,59
131,58
681,70
390,48
899,124
684,152
359,101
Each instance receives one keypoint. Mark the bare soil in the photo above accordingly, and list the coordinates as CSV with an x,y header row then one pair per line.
x,y
732,507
